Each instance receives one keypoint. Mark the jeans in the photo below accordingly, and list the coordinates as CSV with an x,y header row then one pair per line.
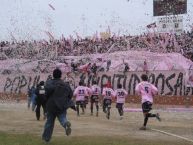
x,y
49,125
29,102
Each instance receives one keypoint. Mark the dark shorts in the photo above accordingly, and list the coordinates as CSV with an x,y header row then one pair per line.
x,y
107,102
94,99
80,103
119,105
86,100
146,107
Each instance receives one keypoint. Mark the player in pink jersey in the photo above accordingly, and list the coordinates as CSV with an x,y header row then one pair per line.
x,y
120,95
80,93
108,95
147,92
88,94
95,93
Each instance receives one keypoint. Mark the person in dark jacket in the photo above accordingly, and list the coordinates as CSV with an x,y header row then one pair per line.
x,y
40,100
59,95
94,69
126,69
108,64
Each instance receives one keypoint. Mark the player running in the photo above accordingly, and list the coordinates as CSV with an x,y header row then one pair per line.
x,y
108,95
88,94
147,92
95,93
120,95
80,93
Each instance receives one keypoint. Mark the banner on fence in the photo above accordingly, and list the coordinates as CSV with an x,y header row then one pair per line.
x,y
168,82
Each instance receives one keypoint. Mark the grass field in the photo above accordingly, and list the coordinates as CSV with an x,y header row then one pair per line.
x,y
28,139
18,126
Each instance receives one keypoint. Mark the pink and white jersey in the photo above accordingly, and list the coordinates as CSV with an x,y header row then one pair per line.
x,y
121,94
146,90
108,93
80,93
89,91
95,90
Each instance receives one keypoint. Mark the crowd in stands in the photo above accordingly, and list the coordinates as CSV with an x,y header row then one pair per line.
x,y
52,49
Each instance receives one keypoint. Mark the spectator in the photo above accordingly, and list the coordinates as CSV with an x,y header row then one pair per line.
x,y
40,100
32,97
88,68
108,64
29,98
126,69
58,94
74,67
145,68
156,42
94,68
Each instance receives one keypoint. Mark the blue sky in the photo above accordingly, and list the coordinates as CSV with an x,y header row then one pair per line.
x,y
29,19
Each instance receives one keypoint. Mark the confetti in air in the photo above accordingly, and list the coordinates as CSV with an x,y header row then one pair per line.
x,y
51,7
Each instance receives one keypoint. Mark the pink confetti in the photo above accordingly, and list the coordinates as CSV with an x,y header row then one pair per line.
x,y
13,38
49,35
78,36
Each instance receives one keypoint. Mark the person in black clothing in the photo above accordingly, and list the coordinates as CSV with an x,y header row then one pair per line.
x,y
108,64
59,96
94,68
74,67
40,99
126,69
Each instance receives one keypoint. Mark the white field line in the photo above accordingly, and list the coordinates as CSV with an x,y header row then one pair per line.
x,y
171,134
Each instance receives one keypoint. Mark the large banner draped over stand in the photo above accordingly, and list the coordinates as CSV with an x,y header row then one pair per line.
x,y
189,78
172,85
168,82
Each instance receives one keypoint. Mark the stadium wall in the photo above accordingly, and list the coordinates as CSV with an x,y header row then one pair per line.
x,y
171,85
